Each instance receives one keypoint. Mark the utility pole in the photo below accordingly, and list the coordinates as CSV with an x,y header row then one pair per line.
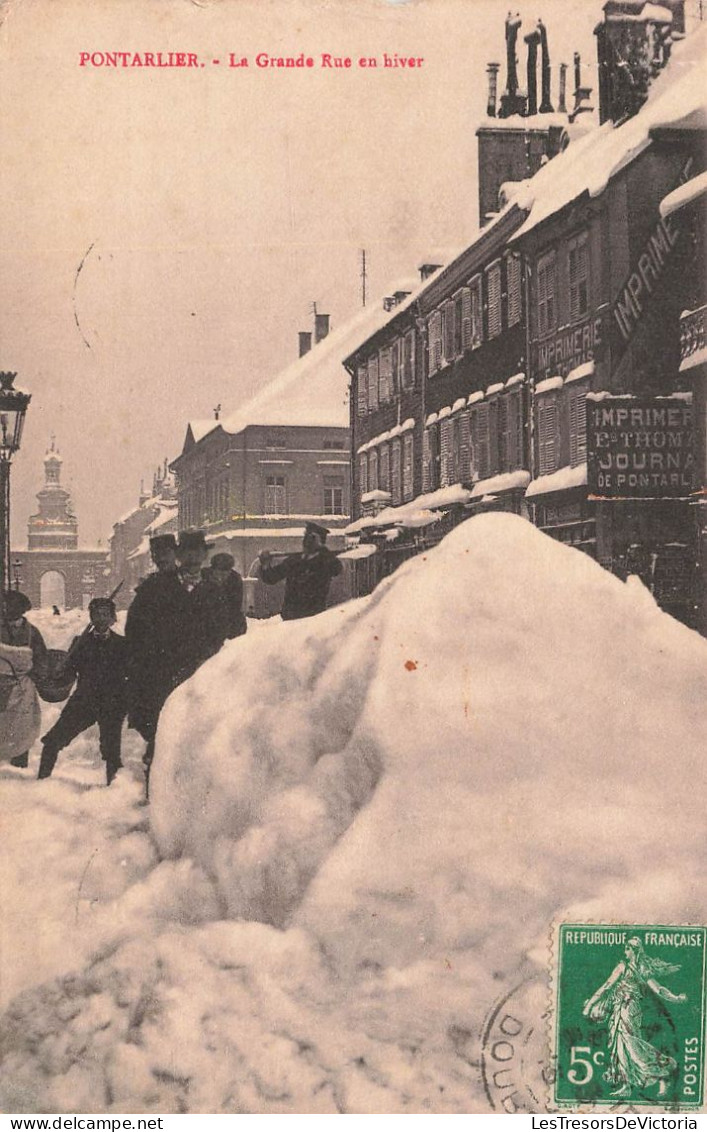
x,y
364,277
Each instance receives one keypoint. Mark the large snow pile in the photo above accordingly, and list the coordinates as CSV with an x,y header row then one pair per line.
x,y
367,823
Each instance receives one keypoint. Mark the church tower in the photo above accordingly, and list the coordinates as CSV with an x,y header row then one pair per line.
x,y
54,527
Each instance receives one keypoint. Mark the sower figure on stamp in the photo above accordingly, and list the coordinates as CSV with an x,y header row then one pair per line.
x,y
307,575
98,657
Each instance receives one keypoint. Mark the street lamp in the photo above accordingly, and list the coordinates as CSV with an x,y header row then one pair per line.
x,y
13,406
17,571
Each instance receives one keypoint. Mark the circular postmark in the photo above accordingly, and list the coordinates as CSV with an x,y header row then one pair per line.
x,y
516,1065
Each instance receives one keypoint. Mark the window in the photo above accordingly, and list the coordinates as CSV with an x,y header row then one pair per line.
x,y
446,442
396,358
480,461
408,360
546,294
449,317
373,382
362,390
548,439
434,329
578,263
396,487
275,495
363,473
384,468
513,286
576,394
430,458
385,375
466,318
493,283
408,466
334,495
458,318
477,323
494,410
511,431
373,470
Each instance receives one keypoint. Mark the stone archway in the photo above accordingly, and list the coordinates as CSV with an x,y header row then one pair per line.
x,y
52,589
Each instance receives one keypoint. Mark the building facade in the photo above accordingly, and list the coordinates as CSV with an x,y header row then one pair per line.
x,y
129,553
53,570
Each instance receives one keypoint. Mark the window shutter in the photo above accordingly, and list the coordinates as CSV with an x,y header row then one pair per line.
x,y
408,466
363,473
465,446
362,390
373,470
578,273
373,382
503,442
426,460
435,342
513,277
578,426
513,450
546,294
445,431
547,433
493,418
385,374
395,473
493,281
396,352
410,358
466,318
384,468
449,310
480,441
477,323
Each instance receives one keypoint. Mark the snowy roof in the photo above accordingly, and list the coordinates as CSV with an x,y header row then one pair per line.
x,y
314,389
684,194
676,99
167,514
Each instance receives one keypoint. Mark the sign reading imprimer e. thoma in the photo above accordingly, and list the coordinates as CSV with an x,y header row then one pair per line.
x,y
639,447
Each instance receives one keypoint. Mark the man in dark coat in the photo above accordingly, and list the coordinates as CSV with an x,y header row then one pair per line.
x,y
98,658
307,575
220,602
165,633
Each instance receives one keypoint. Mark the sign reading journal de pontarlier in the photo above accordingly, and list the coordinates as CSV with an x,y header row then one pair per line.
x,y
639,447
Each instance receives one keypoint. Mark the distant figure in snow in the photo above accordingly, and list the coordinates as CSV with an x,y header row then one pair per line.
x,y
165,631
307,575
98,657
220,602
20,665
55,611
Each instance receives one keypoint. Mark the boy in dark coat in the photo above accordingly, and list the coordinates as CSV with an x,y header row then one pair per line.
x,y
307,575
98,657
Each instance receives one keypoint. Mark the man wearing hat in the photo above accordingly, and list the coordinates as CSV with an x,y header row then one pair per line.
x,y
307,575
220,598
164,630
17,631
98,658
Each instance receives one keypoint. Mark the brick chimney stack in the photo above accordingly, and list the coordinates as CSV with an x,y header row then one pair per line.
x,y
305,342
533,41
321,326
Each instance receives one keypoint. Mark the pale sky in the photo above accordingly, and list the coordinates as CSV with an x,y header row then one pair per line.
x,y
218,203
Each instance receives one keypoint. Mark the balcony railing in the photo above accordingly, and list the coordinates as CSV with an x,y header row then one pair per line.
x,y
692,337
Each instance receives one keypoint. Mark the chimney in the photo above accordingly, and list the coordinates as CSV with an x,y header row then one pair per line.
x,y
398,296
562,102
546,104
582,94
532,39
321,327
633,46
492,72
305,342
427,269
388,303
511,101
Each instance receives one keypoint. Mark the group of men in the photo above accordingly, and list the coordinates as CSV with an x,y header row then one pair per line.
x,y
180,616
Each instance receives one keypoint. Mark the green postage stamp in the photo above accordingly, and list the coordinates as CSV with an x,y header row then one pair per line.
x,y
630,1015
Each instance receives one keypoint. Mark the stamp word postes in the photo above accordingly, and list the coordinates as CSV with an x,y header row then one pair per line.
x,y
630,1015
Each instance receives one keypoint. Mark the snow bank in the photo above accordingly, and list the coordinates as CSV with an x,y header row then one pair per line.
x,y
368,822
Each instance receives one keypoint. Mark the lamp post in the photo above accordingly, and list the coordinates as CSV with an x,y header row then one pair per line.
x,y
17,571
13,406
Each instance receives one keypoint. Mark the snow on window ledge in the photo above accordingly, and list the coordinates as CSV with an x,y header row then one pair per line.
x,y
561,480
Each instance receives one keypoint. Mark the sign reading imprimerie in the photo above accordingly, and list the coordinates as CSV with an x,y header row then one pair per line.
x,y
639,447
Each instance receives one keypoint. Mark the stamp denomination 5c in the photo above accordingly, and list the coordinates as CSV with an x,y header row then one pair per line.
x,y
630,1015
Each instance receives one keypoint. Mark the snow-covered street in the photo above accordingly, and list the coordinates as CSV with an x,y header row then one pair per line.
x,y
362,828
